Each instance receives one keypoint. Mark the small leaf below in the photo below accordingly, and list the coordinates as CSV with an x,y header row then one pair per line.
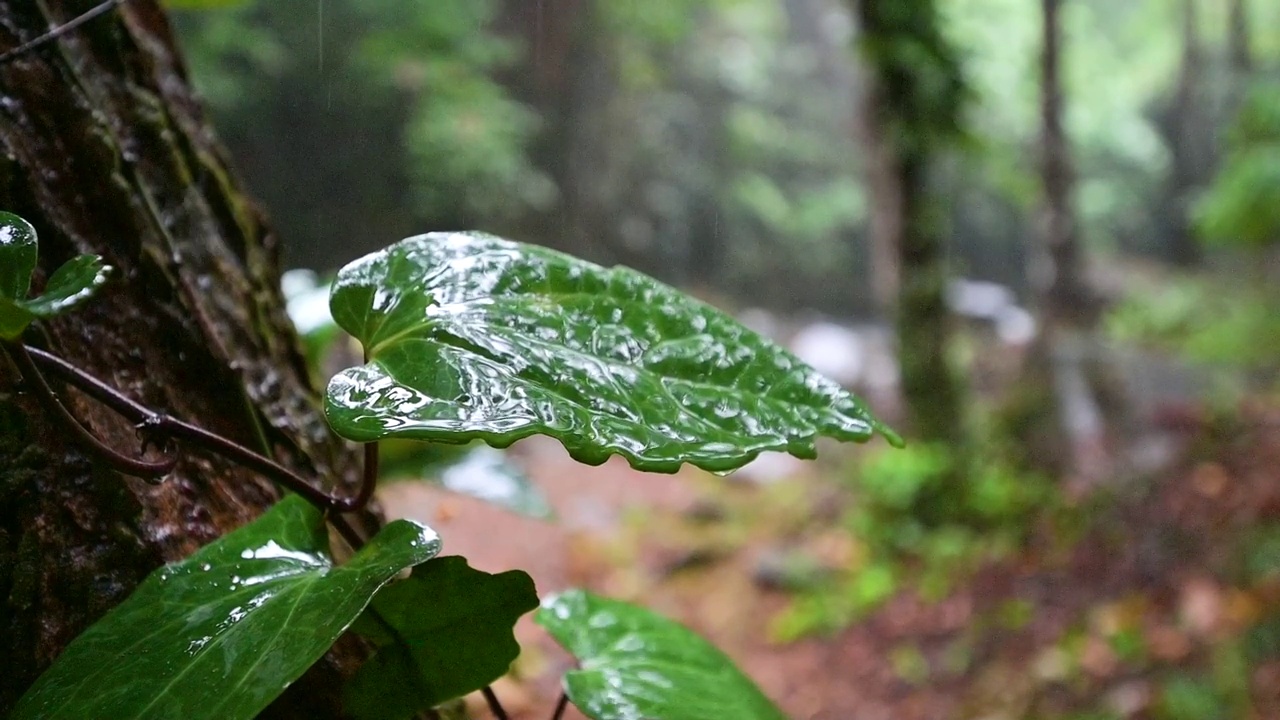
x,y
637,664
442,633
222,633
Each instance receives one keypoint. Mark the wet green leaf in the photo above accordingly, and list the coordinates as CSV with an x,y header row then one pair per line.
x,y
71,284
18,253
222,633
442,633
636,664
14,319
473,337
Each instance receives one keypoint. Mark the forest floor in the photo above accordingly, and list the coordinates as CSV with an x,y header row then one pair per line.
x,y
1155,598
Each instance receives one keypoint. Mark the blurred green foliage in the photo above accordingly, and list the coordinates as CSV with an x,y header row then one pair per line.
x,y
1186,698
381,115
465,135
1204,320
1242,208
922,531
901,497
710,143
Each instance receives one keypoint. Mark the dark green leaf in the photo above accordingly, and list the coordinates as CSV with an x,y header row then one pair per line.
x,y
636,664
73,283
444,632
473,337
14,319
18,253
222,633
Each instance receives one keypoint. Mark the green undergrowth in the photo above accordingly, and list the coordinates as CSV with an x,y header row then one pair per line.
x,y
918,529
1217,323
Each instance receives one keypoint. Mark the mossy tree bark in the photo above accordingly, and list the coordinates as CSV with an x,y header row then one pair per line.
x,y
104,148
914,97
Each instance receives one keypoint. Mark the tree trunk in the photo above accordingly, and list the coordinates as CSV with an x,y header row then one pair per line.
x,y
1191,154
1238,40
566,80
885,222
1057,275
1069,397
106,150
911,117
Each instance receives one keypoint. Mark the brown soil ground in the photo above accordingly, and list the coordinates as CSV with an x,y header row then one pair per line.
x,y
1149,586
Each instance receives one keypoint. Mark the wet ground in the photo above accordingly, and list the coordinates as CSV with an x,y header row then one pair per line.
x,y
1169,588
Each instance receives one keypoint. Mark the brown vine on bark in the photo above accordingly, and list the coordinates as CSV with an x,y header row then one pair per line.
x,y
105,149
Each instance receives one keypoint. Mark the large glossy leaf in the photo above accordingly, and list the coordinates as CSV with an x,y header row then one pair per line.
x,y
444,632
473,337
70,285
222,633
638,665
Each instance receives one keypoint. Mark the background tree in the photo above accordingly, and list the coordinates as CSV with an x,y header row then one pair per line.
x,y
1191,149
915,100
1067,409
107,151
1238,42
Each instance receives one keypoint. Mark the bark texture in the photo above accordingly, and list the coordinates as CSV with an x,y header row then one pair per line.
x,y
104,148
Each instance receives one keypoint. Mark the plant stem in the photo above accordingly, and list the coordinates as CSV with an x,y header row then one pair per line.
x,y
560,706
495,707
146,469
368,475
348,533
59,31
158,425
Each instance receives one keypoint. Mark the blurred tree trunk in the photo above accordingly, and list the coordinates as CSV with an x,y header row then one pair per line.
x,y
913,101
106,150
705,256
1188,132
1238,38
1068,398
885,222
567,81
1058,272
